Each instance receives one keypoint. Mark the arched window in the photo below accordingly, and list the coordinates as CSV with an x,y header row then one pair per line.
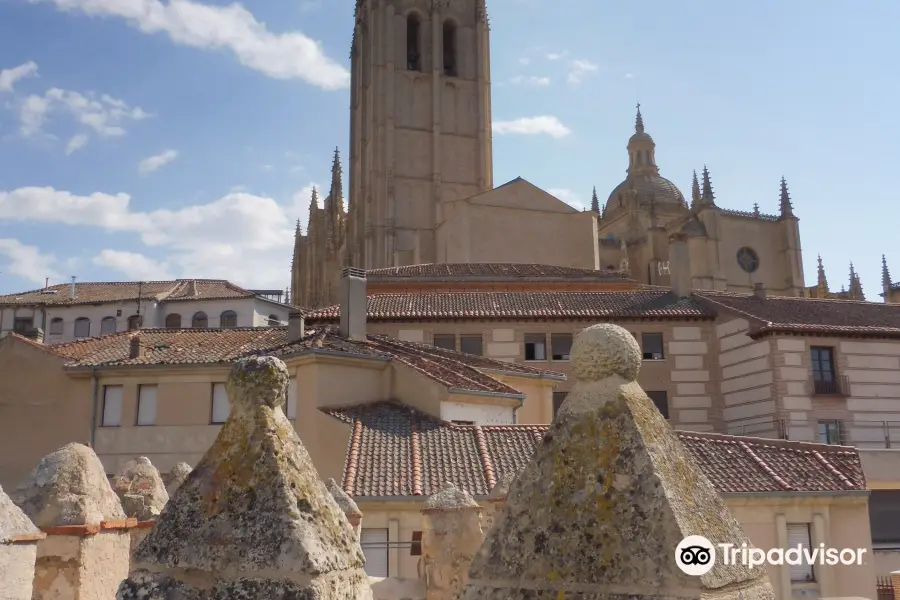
x,y
200,321
228,319
134,322
413,43
274,321
82,327
56,326
107,325
449,49
173,321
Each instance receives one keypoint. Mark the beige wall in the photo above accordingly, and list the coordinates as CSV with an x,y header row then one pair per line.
x,y
41,408
836,521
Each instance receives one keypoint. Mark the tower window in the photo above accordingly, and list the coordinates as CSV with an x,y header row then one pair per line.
x,y
449,49
413,45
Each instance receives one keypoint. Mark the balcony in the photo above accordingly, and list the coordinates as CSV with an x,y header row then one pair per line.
x,y
838,386
862,433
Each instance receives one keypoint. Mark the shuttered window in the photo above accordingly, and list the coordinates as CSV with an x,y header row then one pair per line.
x,y
292,399
146,405
112,405
798,535
220,408
374,544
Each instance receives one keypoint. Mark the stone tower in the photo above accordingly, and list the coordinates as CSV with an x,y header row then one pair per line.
x,y
420,123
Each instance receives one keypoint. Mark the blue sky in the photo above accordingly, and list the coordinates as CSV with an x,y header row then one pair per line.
x,y
145,140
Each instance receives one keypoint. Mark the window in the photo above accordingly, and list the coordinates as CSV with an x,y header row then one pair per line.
x,y
822,359
444,340
107,325
747,259
413,43
652,346
228,319
798,535
200,321
661,400
374,544
458,422
82,327
415,549
470,344
831,432
220,407
56,326
274,321
560,345
291,403
22,324
134,322
146,413
558,398
449,49
173,321
112,406
535,346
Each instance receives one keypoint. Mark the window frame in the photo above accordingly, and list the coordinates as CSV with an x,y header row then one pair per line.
x,y
212,403
81,320
21,325
61,323
385,532
415,546
115,325
657,396
535,344
806,533
140,404
563,356
204,320
823,430
232,319
443,336
171,317
815,361
471,337
558,399
662,346
103,412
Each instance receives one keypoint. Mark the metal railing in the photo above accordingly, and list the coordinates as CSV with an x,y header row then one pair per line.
x,y
885,588
839,386
861,433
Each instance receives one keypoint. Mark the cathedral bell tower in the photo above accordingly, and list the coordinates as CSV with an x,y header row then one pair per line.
x,y
420,124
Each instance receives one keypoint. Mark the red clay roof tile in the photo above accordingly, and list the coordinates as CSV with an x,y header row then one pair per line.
x,y
489,272
384,433
123,291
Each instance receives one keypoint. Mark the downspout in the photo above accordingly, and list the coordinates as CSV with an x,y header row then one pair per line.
x,y
94,408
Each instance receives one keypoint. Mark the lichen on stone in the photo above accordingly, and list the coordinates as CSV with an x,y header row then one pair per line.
x,y
607,497
177,476
13,522
450,497
347,504
141,490
68,487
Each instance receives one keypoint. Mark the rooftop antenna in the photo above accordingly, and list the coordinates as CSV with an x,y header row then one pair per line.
x,y
140,294
46,282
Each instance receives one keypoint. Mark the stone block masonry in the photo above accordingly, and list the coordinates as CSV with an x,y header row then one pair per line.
x,y
253,520
601,508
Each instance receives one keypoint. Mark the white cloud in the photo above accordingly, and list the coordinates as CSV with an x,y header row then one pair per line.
x,y
629,75
524,61
76,142
569,197
27,262
557,55
32,115
134,266
532,126
152,163
530,80
579,69
290,55
242,237
104,115
9,77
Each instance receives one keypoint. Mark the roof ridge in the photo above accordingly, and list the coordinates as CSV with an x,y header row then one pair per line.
x,y
486,463
834,470
766,468
415,455
763,441
352,457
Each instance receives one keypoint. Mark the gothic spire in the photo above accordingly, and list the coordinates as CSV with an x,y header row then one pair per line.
x,y
856,291
336,194
707,197
885,276
822,282
787,209
595,203
313,205
639,120
695,192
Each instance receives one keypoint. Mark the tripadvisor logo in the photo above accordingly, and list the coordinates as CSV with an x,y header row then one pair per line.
x,y
695,555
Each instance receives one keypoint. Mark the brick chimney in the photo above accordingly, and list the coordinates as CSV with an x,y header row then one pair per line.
x,y
680,265
296,326
353,304
759,291
136,348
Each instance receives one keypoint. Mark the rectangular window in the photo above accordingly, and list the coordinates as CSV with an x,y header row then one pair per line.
x,y
291,407
470,344
830,432
56,326
112,406
220,407
82,328
146,413
661,400
457,422
822,361
558,398
415,549
447,341
107,325
22,324
798,535
652,346
560,345
535,346
374,544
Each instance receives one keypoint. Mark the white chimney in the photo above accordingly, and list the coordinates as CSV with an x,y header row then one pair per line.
x,y
72,291
680,265
353,304
759,291
296,326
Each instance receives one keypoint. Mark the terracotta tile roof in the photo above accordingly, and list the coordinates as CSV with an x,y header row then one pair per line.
x,y
123,291
433,306
488,272
809,315
453,370
395,450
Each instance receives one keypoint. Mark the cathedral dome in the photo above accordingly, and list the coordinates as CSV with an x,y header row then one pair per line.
x,y
646,186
